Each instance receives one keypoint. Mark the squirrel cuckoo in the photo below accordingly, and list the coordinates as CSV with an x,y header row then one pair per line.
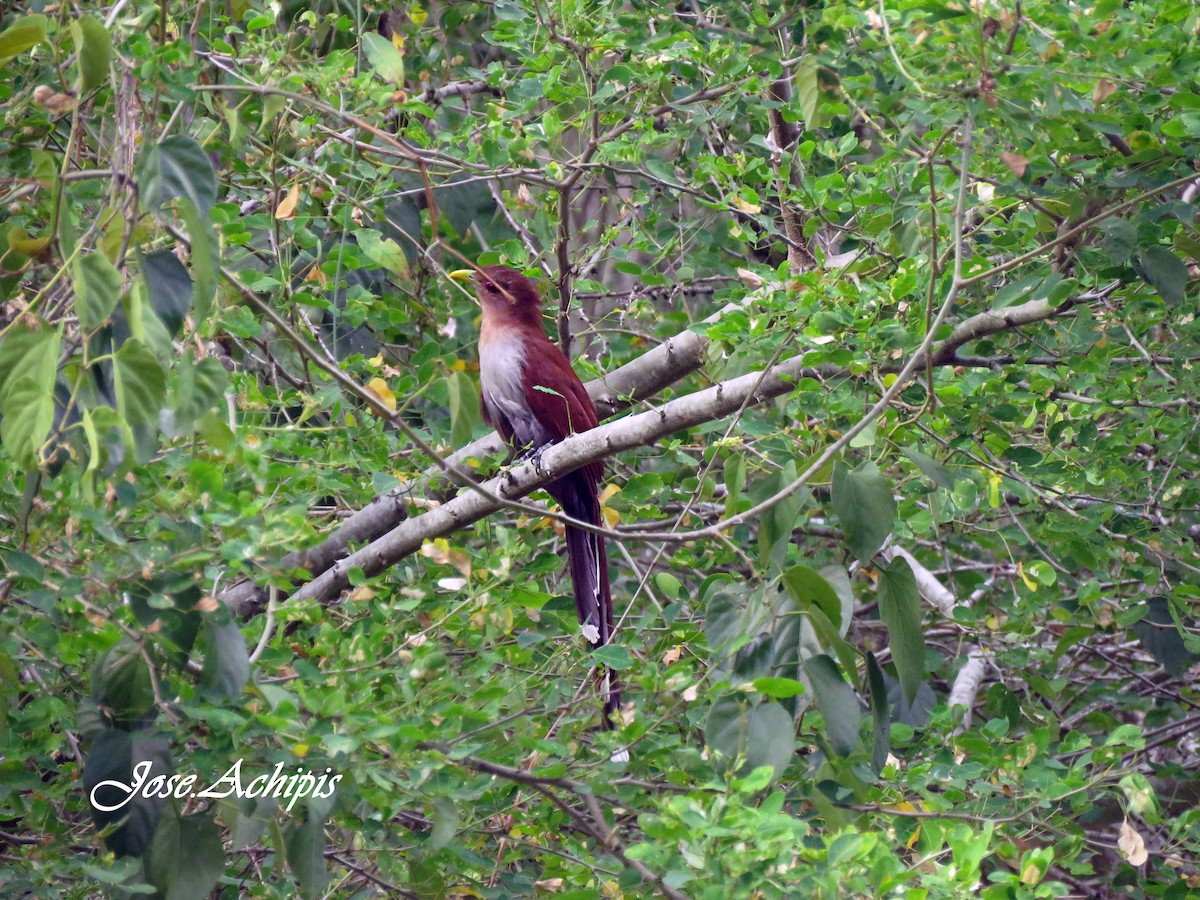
x,y
533,397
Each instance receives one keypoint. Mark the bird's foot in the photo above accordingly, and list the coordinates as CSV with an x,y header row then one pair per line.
x,y
532,454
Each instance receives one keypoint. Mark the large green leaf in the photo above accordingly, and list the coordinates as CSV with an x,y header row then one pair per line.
x,y
112,757
28,411
94,47
1160,636
226,660
97,289
900,609
384,58
838,704
1165,271
776,524
881,719
170,288
863,501
177,168
186,858
140,382
764,734
28,352
306,857
24,34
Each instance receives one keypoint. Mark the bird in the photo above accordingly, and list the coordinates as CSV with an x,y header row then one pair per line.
x,y
533,398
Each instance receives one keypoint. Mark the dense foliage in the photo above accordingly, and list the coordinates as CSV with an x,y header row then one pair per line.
x,y
892,307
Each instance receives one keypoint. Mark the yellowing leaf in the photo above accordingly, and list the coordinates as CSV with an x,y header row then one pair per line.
x,y
418,15
287,206
1029,582
745,206
611,516
672,655
380,389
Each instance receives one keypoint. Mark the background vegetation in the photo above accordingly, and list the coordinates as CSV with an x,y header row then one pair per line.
x,y
893,309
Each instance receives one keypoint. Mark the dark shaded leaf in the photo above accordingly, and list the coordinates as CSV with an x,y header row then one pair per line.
x,y
1165,271
1161,638
837,703
170,288
306,858
186,857
177,168
113,757
933,469
226,661
881,720
863,501
763,734
900,609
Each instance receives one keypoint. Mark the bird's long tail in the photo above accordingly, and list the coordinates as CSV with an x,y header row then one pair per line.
x,y
578,495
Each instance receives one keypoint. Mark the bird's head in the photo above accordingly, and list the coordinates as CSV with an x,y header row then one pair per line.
x,y
504,292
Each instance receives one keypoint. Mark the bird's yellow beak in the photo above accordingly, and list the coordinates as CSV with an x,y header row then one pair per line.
x,y
463,275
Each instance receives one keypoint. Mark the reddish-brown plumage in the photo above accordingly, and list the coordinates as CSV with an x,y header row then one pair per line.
x,y
533,397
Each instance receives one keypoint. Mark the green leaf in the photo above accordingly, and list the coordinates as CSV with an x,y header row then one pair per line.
x,y
204,261
1165,271
775,526
1119,241
900,609
23,565
306,858
1160,636
170,289
863,501
933,469
808,91
24,34
94,46
780,688
28,411
25,352
112,757
199,387
97,289
186,858
385,59
383,252
140,384
837,703
810,589
735,480
177,168
881,725
226,661
614,656
764,734
445,824
464,408
121,684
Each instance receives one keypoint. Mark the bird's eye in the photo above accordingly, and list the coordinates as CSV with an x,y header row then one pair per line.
x,y
490,288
